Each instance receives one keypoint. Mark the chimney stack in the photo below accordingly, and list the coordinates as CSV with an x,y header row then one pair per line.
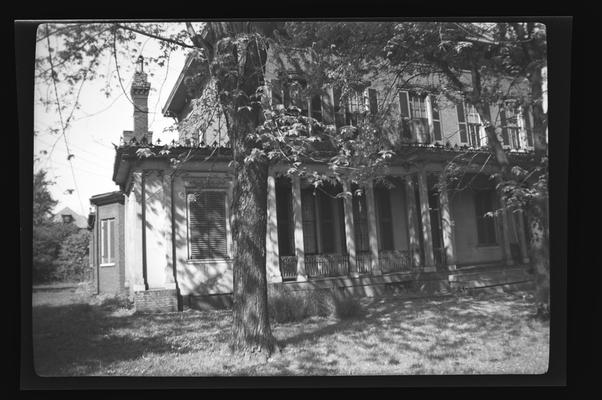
x,y
139,92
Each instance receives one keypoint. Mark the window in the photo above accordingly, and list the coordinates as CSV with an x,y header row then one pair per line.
x,y
509,128
356,107
352,109
383,206
414,118
469,123
107,252
526,118
485,224
418,106
207,225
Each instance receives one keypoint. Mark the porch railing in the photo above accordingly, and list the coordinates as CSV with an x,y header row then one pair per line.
x,y
395,261
363,263
288,267
323,265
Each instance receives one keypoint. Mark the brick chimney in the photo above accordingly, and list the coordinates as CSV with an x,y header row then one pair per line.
x,y
139,92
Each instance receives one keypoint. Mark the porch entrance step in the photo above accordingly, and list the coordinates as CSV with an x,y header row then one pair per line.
x,y
493,276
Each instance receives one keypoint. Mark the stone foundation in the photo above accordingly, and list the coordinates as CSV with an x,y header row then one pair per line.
x,y
156,301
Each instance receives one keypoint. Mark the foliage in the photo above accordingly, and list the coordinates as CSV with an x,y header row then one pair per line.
x,y
348,307
47,241
72,262
43,203
286,305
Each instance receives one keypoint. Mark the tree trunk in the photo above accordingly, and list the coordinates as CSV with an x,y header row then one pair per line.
x,y
539,255
238,67
251,327
537,212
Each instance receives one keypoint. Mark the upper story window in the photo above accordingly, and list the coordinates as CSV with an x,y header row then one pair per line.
x,y
510,128
207,236
418,106
470,124
415,117
355,106
525,118
107,234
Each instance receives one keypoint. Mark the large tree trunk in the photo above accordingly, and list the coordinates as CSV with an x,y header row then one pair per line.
x,y
537,211
238,66
251,327
539,255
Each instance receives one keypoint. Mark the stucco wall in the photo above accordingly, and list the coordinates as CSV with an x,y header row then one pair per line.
x,y
200,277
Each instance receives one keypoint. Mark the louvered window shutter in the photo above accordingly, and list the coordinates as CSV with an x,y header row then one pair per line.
x,y
462,122
528,129
373,103
207,225
404,104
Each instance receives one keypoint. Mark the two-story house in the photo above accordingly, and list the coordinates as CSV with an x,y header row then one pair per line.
x,y
175,227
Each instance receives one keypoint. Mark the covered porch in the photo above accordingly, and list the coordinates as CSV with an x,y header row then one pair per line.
x,y
403,227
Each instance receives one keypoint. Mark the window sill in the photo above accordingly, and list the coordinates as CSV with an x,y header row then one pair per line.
x,y
208,260
108,265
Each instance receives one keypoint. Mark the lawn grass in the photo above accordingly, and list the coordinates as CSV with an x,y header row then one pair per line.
x,y
492,333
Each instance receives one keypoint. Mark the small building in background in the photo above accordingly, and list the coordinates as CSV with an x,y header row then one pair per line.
x,y
68,216
107,257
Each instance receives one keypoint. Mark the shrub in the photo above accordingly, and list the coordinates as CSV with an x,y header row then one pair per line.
x,y
47,240
113,301
73,260
348,307
285,305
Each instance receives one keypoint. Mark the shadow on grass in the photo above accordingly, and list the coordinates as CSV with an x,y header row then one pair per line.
x,y
442,330
80,338
414,336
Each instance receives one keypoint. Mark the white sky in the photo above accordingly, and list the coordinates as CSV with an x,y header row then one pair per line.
x,y
96,125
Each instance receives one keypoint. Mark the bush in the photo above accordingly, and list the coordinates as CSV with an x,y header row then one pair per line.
x,y
348,307
285,305
73,259
47,240
113,301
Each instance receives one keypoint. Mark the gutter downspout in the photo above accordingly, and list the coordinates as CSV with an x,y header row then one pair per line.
x,y
97,251
173,246
143,194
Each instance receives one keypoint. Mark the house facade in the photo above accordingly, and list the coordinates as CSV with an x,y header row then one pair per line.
x,y
176,222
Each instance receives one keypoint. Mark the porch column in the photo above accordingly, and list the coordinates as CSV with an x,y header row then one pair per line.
x,y
522,236
372,235
350,229
298,219
429,259
506,233
447,230
412,221
272,260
